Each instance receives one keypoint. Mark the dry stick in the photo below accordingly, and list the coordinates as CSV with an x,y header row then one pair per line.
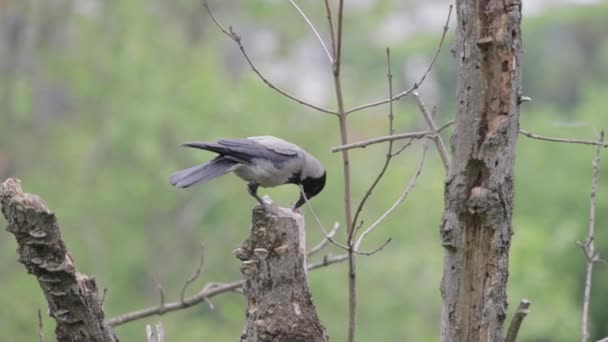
x,y
195,274
391,131
563,140
416,85
40,332
329,236
327,260
521,313
399,136
400,200
331,28
431,123
337,42
589,246
237,39
323,242
208,291
314,30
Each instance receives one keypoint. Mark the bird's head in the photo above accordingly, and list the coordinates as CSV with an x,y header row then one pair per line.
x,y
311,186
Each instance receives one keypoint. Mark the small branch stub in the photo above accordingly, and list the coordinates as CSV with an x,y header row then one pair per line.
x,y
71,296
273,261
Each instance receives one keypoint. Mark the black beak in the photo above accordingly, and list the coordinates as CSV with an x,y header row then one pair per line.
x,y
300,201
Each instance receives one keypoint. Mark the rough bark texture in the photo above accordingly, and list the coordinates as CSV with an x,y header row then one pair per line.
x,y
71,296
279,304
476,227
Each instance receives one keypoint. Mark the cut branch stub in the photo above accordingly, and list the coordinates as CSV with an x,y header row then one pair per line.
x,y
71,296
279,303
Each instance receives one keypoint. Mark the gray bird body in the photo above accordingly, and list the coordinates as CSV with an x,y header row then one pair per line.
x,y
262,161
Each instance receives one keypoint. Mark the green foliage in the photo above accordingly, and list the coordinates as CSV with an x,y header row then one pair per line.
x,y
138,84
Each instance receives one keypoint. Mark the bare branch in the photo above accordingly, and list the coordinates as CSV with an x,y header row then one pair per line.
x,y
589,246
331,28
563,140
237,39
325,241
103,297
327,235
210,290
400,200
195,274
398,136
521,313
431,123
327,260
40,331
391,131
338,58
416,85
314,30
161,293
605,339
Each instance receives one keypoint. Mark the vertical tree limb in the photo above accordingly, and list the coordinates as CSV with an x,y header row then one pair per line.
x,y
71,295
279,303
522,311
476,226
589,246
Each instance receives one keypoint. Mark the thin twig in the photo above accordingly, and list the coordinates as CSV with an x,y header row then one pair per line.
x,y
443,153
331,28
327,260
237,39
605,339
325,233
195,274
401,198
398,136
314,30
416,85
40,331
103,297
563,140
210,290
328,235
521,313
161,293
391,131
324,241
589,246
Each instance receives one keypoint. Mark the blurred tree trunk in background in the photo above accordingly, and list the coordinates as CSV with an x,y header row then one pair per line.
x,y
476,227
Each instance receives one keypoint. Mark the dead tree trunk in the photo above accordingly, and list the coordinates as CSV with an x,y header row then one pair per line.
x,y
71,296
279,304
476,227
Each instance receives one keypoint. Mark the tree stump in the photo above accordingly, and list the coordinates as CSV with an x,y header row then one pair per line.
x,y
279,303
71,295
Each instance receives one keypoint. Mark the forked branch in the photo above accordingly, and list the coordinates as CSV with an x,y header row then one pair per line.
x,y
237,39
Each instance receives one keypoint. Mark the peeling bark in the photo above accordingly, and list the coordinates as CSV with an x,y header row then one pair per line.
x,y
279,303
71,296
476,227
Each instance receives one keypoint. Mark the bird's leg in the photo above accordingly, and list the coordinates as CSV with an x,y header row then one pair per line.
x,y
252,188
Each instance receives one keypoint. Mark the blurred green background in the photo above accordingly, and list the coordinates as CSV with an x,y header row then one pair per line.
x,y
96,96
